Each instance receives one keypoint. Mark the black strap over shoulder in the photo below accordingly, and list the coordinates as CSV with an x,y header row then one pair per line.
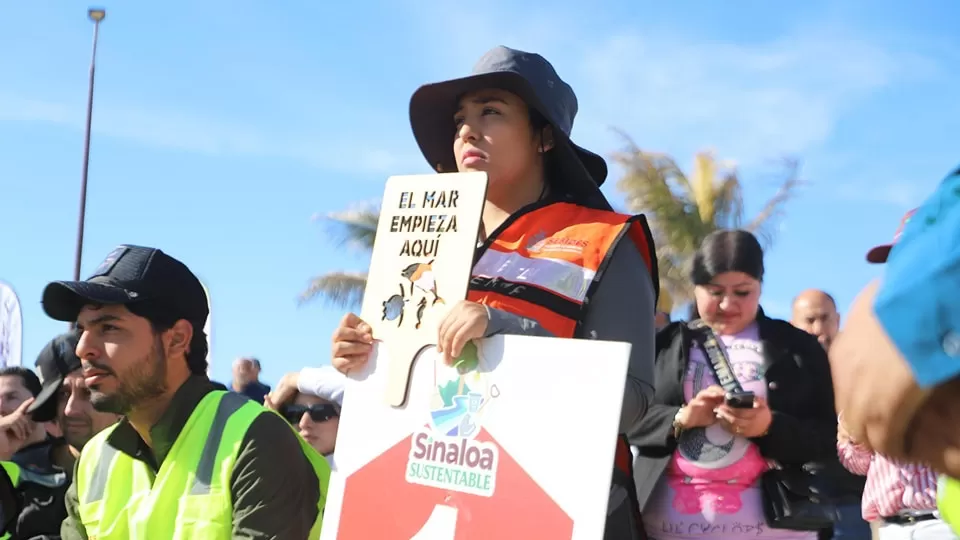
x,y
706,338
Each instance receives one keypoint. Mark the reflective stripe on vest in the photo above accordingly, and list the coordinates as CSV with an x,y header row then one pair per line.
x,y
13,471
19,475
545,263
189,497
948,501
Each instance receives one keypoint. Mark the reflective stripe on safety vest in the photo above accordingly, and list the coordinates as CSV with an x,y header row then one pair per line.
x,y
19,475
189,497
544,264
13,471
948,501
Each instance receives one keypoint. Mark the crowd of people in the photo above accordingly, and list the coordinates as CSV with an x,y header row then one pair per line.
x,y
734,424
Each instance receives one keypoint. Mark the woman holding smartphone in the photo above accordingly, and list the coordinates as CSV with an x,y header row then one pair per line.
x,y
702,449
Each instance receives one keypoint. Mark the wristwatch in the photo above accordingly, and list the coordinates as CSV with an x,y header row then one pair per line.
x,y
677,424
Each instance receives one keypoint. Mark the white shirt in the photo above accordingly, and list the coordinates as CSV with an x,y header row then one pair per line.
x,y
324,382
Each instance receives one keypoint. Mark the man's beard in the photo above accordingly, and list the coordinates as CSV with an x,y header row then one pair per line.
x,y
145,380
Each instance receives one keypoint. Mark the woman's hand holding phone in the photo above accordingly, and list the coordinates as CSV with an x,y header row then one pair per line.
x,y
750,423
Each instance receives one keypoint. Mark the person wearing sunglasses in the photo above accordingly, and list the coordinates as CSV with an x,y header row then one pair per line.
x,y
311,399
317,421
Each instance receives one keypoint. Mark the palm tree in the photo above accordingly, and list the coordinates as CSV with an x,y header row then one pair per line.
x,y
354,229
682,210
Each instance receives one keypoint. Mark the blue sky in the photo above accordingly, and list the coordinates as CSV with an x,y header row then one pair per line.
x,y
221,127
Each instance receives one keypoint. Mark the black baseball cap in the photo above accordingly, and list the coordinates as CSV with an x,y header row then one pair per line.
x,y
57,359
128,275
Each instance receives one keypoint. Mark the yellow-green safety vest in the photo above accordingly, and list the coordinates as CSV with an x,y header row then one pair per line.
x,y
119,497
18,474
948,501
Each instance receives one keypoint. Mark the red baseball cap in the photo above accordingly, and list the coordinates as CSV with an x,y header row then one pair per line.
x,y
879,254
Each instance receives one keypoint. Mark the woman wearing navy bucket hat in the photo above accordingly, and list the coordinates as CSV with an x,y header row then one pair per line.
x,y
545,223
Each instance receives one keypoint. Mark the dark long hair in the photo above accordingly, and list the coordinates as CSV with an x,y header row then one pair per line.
x,y
724,251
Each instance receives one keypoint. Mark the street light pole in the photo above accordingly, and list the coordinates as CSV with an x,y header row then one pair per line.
x,y
96,15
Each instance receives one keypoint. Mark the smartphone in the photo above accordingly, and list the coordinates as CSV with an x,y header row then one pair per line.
x,y
739,400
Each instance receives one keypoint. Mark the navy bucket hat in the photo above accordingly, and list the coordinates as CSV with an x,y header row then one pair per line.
x,y
532,78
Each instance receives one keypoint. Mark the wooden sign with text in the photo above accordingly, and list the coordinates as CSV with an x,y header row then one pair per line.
x,y
421,263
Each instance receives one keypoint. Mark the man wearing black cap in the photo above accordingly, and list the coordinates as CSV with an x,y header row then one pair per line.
x,y
66,395
186,460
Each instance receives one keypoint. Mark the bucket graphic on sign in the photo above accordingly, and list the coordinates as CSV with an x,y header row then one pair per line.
x,y
460,393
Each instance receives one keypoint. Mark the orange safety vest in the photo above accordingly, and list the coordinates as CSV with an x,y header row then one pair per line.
x,y
544,263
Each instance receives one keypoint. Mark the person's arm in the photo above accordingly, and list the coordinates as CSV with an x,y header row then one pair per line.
x,y
854,458
622,308
324,382
504,322
654,433
813,436
72,528
655,430
274,488
917,304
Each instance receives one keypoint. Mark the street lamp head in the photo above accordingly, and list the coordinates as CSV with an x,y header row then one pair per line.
x,y
96,14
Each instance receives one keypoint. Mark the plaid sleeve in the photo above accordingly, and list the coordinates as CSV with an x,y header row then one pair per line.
x,y
918,303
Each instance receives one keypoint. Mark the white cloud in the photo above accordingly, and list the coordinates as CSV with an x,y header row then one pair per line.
x,y
752,102
678,93
671,92
174,129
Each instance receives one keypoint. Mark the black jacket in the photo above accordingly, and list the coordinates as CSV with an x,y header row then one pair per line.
x,y
41,491
799,392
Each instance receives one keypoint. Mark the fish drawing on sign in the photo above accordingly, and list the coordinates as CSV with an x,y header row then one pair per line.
x,y
421,307
393,307
422,277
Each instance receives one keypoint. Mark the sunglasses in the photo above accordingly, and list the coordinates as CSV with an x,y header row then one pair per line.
x,y
318,413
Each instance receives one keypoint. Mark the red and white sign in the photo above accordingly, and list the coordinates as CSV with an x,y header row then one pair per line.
x,y
517,445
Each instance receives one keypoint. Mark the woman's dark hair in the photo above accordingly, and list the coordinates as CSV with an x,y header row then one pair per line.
x,y
727,251
162,318
551,172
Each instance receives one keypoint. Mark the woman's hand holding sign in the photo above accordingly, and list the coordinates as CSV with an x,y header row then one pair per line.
x,y
466,321
353,339
352,344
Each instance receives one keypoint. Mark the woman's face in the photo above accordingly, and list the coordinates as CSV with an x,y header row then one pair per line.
x,y
494,135
729,302
321,434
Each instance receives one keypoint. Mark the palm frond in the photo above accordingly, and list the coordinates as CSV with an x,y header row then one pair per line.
x,y
665,302
764,224
682,210
340,289
653,184
728,202
355,228
703,184
674,279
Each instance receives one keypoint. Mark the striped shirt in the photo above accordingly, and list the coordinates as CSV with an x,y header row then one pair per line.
x,y
892,487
